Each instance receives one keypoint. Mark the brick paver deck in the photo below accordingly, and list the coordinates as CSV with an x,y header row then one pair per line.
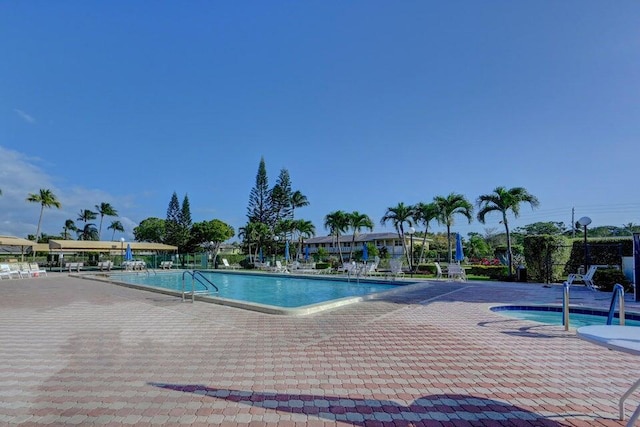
x,y
80,352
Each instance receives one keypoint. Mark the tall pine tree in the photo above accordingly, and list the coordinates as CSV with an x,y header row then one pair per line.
x,y
173,227
281,197
260,209
184,220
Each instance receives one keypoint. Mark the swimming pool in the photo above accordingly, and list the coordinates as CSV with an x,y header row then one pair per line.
x,y
552,315
266,292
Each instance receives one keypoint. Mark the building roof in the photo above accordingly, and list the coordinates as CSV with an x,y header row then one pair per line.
x,y
100,246
363,237
15,241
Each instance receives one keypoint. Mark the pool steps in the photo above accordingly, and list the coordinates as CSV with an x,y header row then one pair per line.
x,y
196,275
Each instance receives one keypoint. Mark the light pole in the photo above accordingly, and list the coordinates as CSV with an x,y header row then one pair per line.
x,y
275,249
211,255
121,251
411,233
584,221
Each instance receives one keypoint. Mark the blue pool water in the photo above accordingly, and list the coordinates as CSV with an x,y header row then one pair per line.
x,y
280,291
578,317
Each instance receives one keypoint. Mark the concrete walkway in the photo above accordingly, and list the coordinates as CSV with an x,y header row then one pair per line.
x,y
80,352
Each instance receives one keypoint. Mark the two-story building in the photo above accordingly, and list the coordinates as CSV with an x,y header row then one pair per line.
x,y
391,241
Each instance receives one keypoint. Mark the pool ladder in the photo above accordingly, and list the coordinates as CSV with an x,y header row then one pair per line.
x,y
196,275
618,295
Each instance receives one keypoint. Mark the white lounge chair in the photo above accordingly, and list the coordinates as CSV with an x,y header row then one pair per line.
x,y
396,268
18,270
369,269
166,265
105,265
456,272
75,266
35,270
7,272
586,278
348,267
225,264
438,270
279,268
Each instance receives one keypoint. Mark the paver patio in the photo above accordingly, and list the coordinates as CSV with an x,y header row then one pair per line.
x,y
80,352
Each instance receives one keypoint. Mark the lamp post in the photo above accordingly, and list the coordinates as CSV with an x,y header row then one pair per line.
x,y
211,255
584,221
121,251
411,233
275,249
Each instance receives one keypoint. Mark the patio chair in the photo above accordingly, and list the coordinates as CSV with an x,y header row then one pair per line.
x,y
279,268
5,271
586,278
438,270
105,265
18,270
35,270
225,264
396,268
456,272
166,265
370,269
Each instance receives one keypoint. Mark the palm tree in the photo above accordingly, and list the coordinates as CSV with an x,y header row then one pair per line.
x,y
88,232
254,232
448,207
69,225
399,215
358,221
85,216
105,209
503,201
424,213
47,199
337,223
298,200
115,226
304,229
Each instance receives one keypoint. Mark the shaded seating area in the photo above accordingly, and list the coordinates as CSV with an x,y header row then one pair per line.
x,y
107,255
22,270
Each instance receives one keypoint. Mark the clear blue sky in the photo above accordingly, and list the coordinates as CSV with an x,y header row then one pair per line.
x,y
366,103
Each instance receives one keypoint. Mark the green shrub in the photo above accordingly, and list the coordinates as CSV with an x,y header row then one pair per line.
x,y
426,269
606,278
246,263
604,251
494,272
322,265
546,256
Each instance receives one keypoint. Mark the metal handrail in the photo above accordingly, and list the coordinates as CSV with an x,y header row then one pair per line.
x,y
196,275
618,293
565,305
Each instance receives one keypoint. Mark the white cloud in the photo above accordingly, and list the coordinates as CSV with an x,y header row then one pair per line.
x,y
21,175
24,116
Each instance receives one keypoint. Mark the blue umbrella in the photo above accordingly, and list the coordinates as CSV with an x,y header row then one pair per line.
x,y
128,255
459,252
306,253
365,252
286,251
260,257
